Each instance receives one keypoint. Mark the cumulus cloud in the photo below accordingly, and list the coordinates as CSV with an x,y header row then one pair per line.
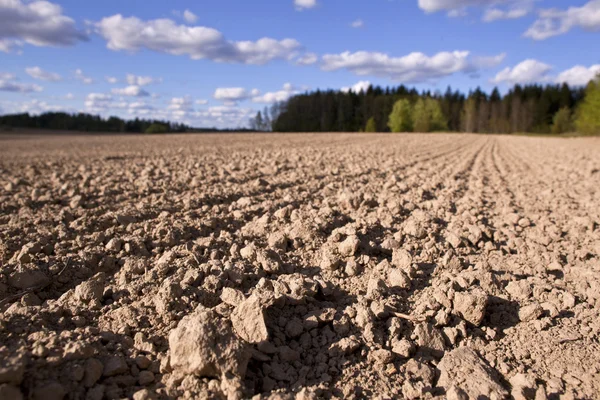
x,y
6,85
282,95
34,106
40,74
39,23
181,104
304,4
431,6
132,91
361,86
579,75
7,76
412,68
307,59
198,42
80,76
528,71
495,14
189,16
111,79
69,96
142,80
357,24
235,94
201,102
554,22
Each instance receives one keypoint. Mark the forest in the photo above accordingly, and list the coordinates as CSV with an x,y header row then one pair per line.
x,y
529,108
94,123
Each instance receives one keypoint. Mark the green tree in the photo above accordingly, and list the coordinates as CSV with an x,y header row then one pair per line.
x,y
561,122
400,119
588,114
157,128
371,126
437,120
428,116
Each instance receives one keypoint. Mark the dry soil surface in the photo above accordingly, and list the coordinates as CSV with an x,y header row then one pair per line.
x,y
299,267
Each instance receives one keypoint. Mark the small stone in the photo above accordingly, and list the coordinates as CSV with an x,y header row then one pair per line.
x,y
141,342
402,259
453,239
92,289
349,246
471,305
233,297
464,369
403,348
375,288
344,346
398,279
429,339
382,356
115,365
142,362
248,320
30,300
114,244
204,344
144,394
530,312
145,378
294,328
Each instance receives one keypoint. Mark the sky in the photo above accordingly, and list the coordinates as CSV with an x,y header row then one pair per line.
x,y
216,62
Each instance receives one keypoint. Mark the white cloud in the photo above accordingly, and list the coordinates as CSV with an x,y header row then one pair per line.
x,y
7,76
235,94
412,68
495,14
189,16
16,87
528,71
132,91
38,73
80,76
111,79
361,86
481,62
142,80
281,95
181,104
579,75
307,59
357,24
305,4
553,22
39,23
198,42
201,102
431,6
34,106
69,96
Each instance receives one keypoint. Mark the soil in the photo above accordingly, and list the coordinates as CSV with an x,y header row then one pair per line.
x,y
299,267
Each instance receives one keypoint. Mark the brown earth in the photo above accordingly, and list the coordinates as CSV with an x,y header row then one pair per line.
x,y
299,267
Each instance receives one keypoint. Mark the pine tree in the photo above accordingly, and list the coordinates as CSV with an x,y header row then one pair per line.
x,y
400,119
588,113
371,126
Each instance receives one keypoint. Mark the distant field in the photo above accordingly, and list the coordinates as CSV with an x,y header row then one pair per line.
x,y
338,264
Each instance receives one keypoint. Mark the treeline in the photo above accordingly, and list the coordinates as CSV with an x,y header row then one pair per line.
x,y
94,123
530,108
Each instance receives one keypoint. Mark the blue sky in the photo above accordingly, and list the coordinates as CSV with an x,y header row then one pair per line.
x,y
214,63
